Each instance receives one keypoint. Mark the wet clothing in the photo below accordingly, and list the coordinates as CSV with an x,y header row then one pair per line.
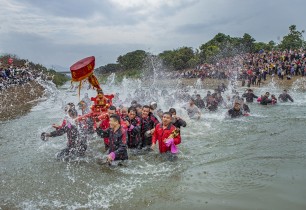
x,y
220,100
284,97
193,111
160,134
72,134
117,142
76,143
273,101
212,104
147,124
199,103
105,125
133,133
249,97
234,113
246,108
265,100
179,123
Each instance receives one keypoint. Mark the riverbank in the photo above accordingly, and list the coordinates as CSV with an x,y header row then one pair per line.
x,y
18,100
207,83
213,83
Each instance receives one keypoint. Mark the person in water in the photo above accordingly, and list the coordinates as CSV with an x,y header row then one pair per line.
x,y
249,95
105,123
117,139
153,110
66,109
245,107
82,105
148,122
164,135
199,102
236,110
273,99
86,123
133,129
177,121
265,99
193,111
212,103
87,100
284,97
75,145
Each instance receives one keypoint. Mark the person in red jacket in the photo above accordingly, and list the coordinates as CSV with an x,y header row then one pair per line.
x,y
104,124
163,133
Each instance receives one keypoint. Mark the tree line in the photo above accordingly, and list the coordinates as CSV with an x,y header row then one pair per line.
x,y
221,46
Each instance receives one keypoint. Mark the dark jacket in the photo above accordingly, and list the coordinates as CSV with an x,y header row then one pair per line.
x,y
265,100
147,124
249,97
199,103
117,142
180,122
212,104
133,133
284,97
234,113
72,134
246,108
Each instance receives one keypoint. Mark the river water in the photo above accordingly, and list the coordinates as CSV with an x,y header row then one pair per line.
x,y
256,162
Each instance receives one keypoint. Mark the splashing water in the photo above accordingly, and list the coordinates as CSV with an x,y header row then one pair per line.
x,y
235,164
111,79
299,84
198,84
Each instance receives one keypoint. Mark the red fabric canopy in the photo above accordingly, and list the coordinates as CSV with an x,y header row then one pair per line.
x,y
82,69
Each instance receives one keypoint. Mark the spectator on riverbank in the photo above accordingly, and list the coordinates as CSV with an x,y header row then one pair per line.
x,y
16,76
253,67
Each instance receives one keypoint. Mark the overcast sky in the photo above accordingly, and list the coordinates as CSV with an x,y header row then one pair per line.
x,y
61,32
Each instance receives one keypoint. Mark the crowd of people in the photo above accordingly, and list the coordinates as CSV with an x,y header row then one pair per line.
x,y
137,127
16,76
252,68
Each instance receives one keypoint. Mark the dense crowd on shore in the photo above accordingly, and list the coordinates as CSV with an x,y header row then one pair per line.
x,y
252,68
16,76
